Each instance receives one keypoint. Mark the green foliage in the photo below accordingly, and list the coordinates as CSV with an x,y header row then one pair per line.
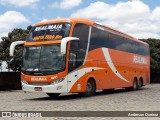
x,y
15,35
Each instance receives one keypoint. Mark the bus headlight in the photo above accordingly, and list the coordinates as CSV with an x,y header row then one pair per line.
x,y
57,81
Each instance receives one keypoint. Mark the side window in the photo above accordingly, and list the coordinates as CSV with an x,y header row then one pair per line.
x,y
78,48
101,38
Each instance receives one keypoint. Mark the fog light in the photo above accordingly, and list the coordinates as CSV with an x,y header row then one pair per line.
x,y
59,87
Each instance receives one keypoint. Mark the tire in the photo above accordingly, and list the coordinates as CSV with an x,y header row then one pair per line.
x,y
135,85
90,89
140,84
53,95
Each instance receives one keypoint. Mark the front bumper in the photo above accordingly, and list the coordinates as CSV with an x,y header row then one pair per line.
x,y
57,88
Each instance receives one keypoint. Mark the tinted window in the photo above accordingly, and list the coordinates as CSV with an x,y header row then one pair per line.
x,y
79,47
101,38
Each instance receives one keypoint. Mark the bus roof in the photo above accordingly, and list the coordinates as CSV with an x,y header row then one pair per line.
x,y
91,23
80,20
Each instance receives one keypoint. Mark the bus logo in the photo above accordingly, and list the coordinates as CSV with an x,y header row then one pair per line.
x,y
50,27
39,79
140,60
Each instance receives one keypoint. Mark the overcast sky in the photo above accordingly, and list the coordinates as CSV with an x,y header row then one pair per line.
x,y
139,18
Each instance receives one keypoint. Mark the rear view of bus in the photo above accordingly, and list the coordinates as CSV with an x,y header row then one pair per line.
x,y
66,56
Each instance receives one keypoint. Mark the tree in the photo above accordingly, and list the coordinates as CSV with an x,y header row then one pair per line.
x,y
15,35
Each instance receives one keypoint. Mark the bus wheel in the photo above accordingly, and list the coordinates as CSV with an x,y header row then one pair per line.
x,y
53,95
140,83
90,88
135,85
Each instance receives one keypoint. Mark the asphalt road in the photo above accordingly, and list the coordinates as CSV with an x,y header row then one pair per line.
x,y
146,99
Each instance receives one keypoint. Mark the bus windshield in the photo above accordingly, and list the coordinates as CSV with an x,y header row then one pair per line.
x,y
54,31
44,58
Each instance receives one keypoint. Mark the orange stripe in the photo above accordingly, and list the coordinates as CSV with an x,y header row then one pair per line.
x,y
42,43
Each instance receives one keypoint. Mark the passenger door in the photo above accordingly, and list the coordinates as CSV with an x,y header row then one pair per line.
x,y
77,53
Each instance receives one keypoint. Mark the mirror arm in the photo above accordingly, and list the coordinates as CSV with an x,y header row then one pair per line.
x,y
13,45
64,43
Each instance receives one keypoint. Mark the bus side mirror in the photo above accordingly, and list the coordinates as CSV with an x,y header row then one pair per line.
x,y
13,45
64,43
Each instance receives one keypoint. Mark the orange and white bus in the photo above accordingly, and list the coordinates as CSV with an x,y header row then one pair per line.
x,y
81,56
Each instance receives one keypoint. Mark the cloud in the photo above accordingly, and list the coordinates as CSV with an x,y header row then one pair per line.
x,y
19,3
43,20
133,17
66,4
10,20
156,14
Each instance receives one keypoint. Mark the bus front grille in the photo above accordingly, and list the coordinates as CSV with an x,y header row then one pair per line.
x,y
38,84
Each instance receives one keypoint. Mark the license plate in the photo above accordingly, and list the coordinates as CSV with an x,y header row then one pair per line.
x,y
38,88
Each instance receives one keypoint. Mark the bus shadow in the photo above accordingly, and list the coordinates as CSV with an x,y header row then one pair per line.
x,y
77,96
118,91
61,97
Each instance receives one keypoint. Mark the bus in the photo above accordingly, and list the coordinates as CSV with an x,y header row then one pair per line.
x,y
81,56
